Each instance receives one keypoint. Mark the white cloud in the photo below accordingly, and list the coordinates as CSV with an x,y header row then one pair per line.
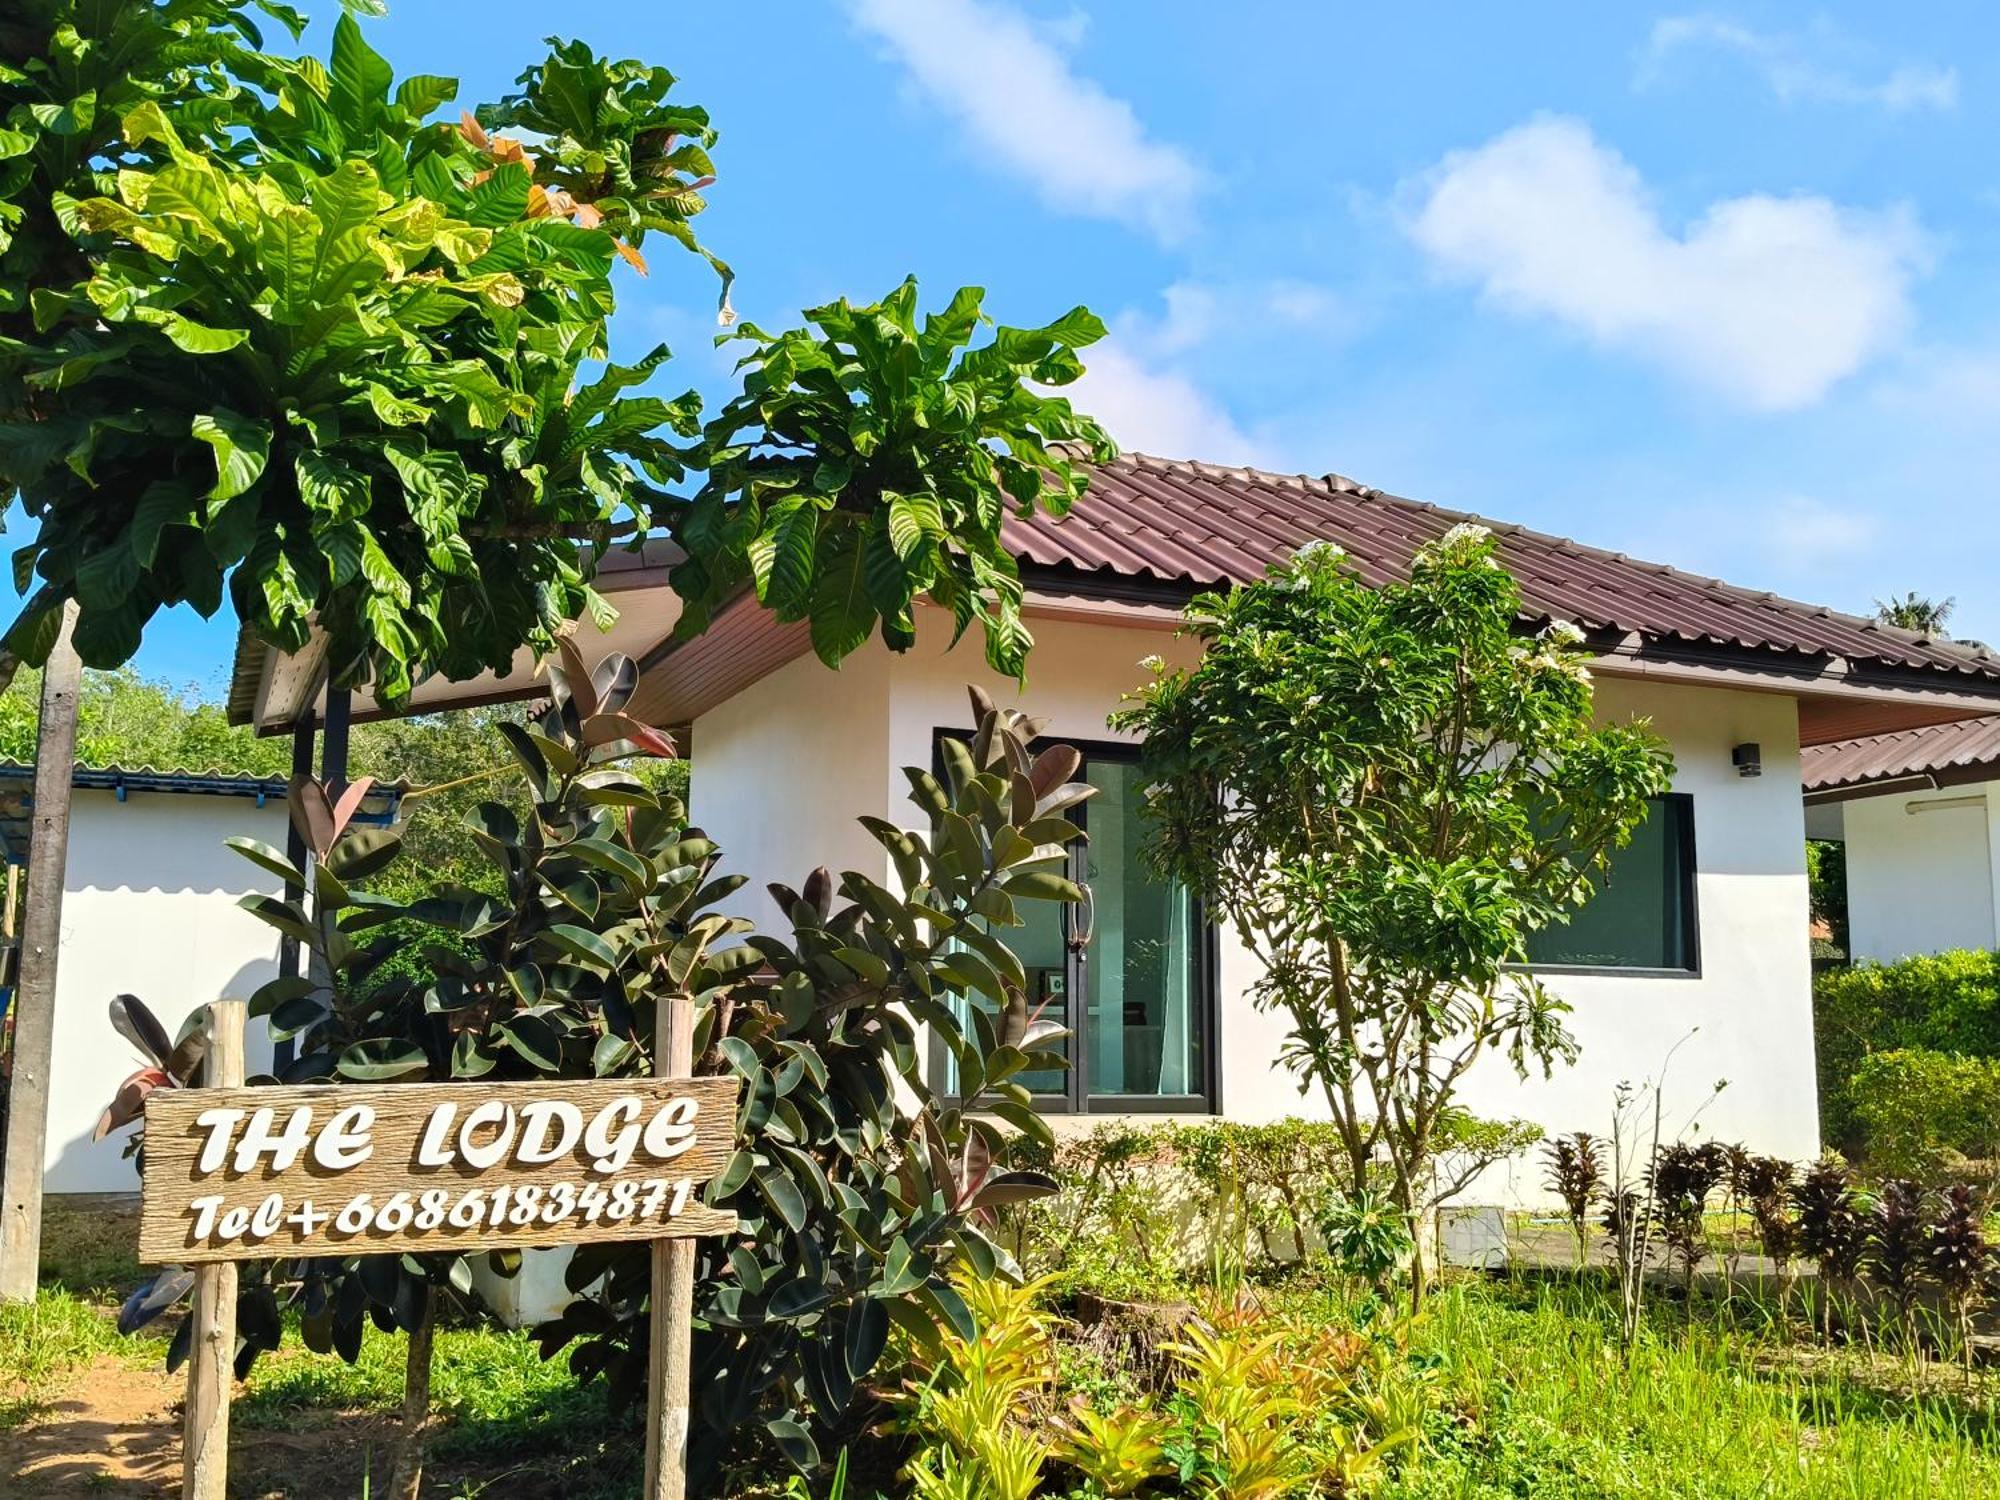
x,y
1015,94
1801,531
1795,66
1769,301
1143,382
1150,409
1946,387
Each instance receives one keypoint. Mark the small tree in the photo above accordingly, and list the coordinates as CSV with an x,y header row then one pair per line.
x,y
1387,790
275,330
1914,611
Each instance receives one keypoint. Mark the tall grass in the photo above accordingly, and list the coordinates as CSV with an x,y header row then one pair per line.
x,y
1542,1402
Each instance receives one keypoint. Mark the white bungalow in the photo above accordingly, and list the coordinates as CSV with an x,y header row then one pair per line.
x,y
1916,810
1700,935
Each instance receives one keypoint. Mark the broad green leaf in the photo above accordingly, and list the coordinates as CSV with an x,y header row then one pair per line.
x,y
193,337
242,446
581,943
265,857
382,1059
842,615
421,93
361,77
502,198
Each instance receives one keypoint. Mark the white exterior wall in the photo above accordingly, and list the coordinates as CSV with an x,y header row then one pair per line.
x,y
149,909
1920,870
1746,1017
782,770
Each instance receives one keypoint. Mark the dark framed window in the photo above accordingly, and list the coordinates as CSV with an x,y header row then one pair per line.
x,y
1642,916
1131,973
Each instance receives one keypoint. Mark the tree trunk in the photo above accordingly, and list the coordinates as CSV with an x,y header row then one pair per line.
x,y
34,1015
1425,1250
407,1477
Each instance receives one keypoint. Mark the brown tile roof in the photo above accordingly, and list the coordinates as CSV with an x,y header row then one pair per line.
x,y
1940,753
1174,522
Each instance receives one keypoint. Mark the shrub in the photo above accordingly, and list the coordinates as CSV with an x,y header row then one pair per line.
x,y
1683,1178
1946,1002
1280,1174
1959,1258
1115,1224
1923,1113
1576,1175
1143,1209
1252,1404
1832,1232
1896,1238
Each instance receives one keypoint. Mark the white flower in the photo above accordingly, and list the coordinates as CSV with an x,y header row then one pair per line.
x,y
1153,663
1466,531
1563,633
1331,552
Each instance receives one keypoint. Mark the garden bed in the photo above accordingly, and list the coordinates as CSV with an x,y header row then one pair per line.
x,y
1517,1382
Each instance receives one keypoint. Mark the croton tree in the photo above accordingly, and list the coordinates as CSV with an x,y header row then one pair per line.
x,y
290,332
857,1186
1386,790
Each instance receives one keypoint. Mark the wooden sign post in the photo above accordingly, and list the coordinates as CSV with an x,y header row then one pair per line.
x,y
238,1173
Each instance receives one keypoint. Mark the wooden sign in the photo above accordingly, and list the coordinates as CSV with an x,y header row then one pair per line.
x,y
262,1173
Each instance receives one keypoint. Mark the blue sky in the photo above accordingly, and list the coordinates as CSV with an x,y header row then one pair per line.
x,y
1712,286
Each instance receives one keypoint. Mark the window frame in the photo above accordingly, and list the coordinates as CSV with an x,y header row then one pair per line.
x,y
1690,899
1076,1098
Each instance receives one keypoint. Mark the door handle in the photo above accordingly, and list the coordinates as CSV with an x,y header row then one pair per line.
x,y
1083,918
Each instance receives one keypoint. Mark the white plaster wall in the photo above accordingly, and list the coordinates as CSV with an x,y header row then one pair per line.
x,y
1746,1017
781,771
1921,881
149,909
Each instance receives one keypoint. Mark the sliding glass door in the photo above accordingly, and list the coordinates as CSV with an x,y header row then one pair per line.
x,y
1129,971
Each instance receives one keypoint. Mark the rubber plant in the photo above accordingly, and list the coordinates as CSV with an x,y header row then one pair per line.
x,y
856,1206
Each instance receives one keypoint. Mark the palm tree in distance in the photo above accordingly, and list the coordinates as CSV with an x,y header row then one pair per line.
x,y
1915,612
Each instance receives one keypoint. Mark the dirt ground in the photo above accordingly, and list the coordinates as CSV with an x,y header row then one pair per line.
x,y
115,1431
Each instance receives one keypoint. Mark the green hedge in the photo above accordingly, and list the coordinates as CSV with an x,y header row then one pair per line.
x,y
1947,1002
1927,1115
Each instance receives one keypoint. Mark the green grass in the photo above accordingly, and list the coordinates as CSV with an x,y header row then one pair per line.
x,y
42,1343
1538,1400
501,1404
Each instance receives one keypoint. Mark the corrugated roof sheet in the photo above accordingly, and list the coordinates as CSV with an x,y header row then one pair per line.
x,y
1183,522
193,780
1940,750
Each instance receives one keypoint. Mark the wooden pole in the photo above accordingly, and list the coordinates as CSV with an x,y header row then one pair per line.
x,y
35,996
303,735
672,1342
212,1357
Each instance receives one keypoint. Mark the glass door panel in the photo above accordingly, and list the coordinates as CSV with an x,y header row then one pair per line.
x,y
1140,975
1042,945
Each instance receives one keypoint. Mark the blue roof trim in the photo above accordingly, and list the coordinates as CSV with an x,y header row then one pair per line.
x,y
386,799
161,781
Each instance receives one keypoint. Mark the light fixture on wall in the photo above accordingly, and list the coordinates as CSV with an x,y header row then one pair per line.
x,y
1748,759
